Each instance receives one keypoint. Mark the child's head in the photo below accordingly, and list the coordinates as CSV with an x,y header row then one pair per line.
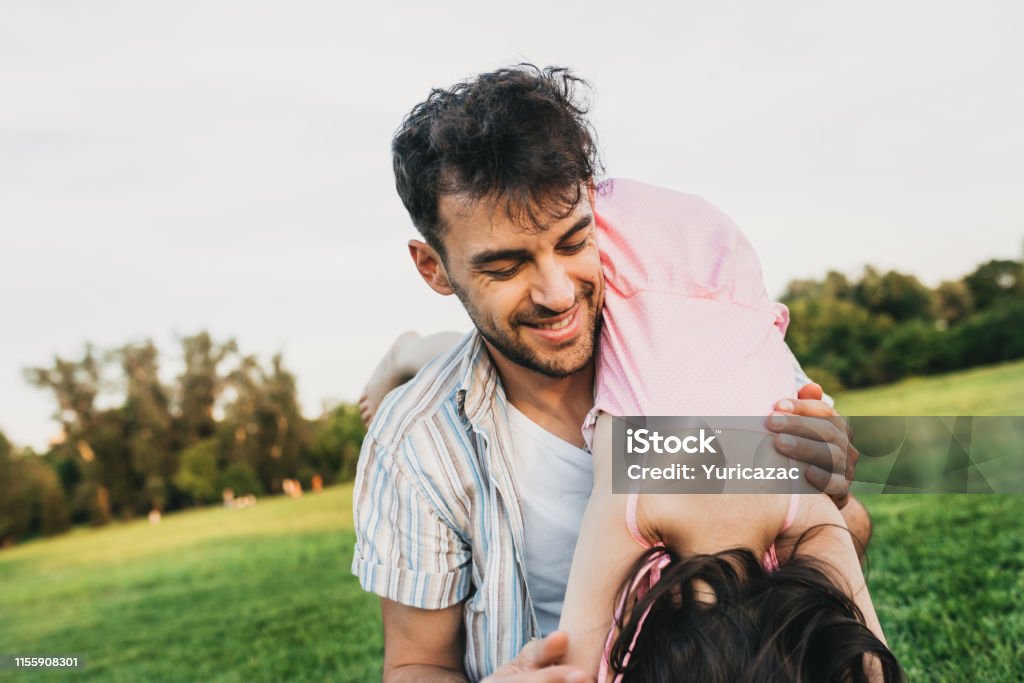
x,y
723,617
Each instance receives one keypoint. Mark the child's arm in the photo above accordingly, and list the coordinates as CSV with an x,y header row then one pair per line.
x,y
604,554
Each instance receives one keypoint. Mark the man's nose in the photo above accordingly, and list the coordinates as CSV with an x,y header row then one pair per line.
x,y
553,288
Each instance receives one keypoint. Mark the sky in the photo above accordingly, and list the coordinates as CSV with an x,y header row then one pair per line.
x,y
172,167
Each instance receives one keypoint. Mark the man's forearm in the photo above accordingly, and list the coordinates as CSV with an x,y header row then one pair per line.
x,y
423,673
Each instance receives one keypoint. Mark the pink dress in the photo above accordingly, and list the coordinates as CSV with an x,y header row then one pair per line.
x,y
688,328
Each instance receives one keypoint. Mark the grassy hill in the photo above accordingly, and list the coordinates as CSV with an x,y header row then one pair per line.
x,y
989,390
260,594
995,445
265,594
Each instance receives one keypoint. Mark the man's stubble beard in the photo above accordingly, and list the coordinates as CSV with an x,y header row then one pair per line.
x,y
521,354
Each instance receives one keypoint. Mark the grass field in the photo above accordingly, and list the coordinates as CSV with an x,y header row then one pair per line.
x,y
995,444
265,594
261,594
989,390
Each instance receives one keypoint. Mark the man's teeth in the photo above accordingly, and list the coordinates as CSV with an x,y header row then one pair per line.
x,y
556,326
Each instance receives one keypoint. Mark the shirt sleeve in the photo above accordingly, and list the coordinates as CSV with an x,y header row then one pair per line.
x,y
404,551
802,378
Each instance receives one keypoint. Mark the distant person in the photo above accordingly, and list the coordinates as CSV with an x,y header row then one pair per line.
x,y
292,488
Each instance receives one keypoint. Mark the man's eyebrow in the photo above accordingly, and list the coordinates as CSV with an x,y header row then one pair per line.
x,y
582,223
492,255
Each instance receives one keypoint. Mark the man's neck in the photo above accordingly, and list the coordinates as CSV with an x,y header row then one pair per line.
x,y
558,405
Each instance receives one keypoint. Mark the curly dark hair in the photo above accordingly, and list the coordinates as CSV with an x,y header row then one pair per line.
x,y
792,624
518,135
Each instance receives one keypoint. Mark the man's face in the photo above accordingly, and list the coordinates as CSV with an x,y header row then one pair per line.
x,y
535,295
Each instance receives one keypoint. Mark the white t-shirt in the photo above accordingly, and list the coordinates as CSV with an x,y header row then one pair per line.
x,y
555,479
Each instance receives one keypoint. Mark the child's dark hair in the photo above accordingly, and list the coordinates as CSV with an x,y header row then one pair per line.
x,y
724,618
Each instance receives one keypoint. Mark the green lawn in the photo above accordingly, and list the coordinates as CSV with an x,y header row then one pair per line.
x,y
261,594
947,576
947,571
265,594
995,445
989,390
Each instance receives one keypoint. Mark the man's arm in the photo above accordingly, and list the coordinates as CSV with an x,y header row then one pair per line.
x,y
425,646
414,561
422,645
420,568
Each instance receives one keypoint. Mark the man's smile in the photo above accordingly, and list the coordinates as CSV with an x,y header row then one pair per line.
x,y
559,328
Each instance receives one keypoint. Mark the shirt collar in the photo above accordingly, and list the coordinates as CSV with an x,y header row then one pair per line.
x,y
478,380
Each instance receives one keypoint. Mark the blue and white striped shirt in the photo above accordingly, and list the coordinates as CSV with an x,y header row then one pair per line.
x,y
436,507
436,504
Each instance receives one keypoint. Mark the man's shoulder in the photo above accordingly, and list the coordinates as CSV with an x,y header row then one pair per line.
x,y
421,437
432,394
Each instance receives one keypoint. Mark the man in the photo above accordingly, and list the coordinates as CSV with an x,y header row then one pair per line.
x,y
497,175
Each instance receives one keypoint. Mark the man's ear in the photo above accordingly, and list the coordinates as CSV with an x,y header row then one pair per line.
x,y
428,263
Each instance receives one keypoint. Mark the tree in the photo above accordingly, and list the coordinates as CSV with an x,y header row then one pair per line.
x,y
240,478
88,432
32,501
269,432
147,418
338,436
132,443
994,281
6,491
75,385
910,349
839,336
899,296
201,385
953,302
197,474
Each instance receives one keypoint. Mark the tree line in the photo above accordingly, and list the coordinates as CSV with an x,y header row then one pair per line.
x,y
882,327
132,444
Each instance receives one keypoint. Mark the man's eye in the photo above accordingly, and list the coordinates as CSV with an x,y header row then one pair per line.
x,y
503,274
573,248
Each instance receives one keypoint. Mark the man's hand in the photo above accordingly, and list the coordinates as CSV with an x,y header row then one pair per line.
x,y
811,431
538,663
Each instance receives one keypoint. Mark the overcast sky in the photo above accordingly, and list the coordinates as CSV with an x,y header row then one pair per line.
x,y
171,167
